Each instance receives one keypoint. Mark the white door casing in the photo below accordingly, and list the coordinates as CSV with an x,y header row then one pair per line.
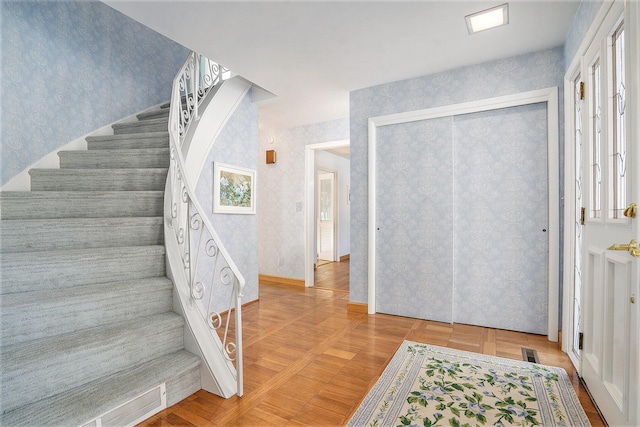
x,y
574,146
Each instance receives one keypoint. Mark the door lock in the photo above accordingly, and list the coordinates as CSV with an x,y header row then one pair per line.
x,y
632,247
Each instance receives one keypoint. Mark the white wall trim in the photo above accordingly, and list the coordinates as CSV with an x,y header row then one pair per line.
x,y
569,214
550,97
309,209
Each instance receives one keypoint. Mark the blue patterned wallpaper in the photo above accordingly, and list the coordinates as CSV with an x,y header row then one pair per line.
x,y
281,225
236,145
585,14
507,76
71,67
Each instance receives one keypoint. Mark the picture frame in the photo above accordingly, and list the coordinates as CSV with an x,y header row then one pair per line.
x,y
234,189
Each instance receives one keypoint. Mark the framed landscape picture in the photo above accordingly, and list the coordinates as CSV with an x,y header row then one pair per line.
x,y
234,189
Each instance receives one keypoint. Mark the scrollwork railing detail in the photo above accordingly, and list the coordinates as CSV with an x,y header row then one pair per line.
x,y
209,271
197,76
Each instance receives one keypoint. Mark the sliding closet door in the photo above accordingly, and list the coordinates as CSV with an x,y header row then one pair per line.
x,y
414,237
462,218
501,219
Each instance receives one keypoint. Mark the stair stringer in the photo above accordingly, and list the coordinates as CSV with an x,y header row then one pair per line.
x,y
218,375
214,114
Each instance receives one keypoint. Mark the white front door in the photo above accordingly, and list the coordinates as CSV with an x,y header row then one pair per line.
x,y
326,216
610,184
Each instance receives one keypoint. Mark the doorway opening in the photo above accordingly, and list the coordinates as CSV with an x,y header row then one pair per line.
x,y
326,223
327,217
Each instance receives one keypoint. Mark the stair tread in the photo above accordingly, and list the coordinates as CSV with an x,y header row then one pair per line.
x,y
77,195
160,120
92,179
82,404
81,222
118,158
141,135
83,253
26,271
160,112
142,126
105,172
70,309
37,352
71,194
12,302
115,151
131,143
36,235
81,204
41,368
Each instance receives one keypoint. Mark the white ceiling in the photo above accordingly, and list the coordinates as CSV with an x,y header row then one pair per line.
x,y
312,54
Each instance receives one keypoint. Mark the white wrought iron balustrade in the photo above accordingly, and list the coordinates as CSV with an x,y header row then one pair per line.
x,y
197,76
207,265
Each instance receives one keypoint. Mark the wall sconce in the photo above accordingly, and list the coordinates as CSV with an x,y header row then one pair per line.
x,y
271,156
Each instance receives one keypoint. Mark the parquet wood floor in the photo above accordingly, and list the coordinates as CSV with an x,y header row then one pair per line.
x,y
332,275
308,362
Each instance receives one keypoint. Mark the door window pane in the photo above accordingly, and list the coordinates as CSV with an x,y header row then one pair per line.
x,y
595,152
618,181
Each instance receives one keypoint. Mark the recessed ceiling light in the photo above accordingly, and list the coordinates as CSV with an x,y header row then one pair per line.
x,y
487,19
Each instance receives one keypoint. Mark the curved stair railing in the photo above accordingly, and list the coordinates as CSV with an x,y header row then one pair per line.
x,y
206,265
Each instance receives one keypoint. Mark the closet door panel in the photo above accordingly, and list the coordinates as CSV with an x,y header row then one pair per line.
x,y
501,218
414,242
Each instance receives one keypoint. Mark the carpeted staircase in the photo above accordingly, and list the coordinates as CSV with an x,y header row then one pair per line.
x,y
85,304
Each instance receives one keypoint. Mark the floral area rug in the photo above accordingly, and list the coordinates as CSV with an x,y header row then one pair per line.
x,y
425,386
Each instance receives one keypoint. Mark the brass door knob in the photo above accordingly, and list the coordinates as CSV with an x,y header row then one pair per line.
x,y
633,244
631,210
632,247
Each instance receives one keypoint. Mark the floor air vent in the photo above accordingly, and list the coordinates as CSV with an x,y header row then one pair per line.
x,y
134,411
530,355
